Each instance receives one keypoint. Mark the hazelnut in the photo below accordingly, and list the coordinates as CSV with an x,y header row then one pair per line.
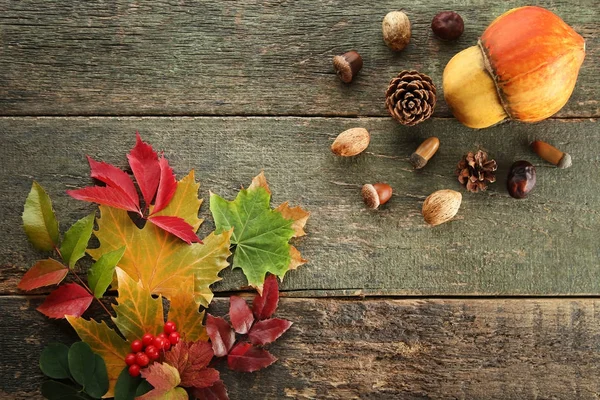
x,y
521,179
396,30
551,154
351,142
376,195
347,65
424,152
447,25
441,206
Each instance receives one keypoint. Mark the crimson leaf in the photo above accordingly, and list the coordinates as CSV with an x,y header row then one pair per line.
x,y
268,330
69,299
264,306
105,195
143,161
114,177
240,315
191,360
43,273
215,392
166,187
176,226
246,358
221,335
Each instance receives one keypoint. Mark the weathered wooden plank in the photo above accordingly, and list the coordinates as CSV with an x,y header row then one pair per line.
x,y
380,349
235,58
547,244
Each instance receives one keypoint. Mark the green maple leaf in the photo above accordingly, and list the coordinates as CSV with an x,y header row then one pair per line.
x,y
261,235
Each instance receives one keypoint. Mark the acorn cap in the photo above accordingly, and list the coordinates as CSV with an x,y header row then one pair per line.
x,y
417,161
370,196
347,65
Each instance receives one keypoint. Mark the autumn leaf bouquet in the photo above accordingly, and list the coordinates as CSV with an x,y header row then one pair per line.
x,y
154,342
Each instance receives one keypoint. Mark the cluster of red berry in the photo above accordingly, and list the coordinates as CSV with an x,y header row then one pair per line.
x,y
149,348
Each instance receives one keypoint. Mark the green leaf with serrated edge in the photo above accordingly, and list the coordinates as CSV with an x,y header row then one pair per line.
x,y
105,342
54,361
53,390
260,234
39,220
96,385
81,362
126,385
76,240
101,272
137,312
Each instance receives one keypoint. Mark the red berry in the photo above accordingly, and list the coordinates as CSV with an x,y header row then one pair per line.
x,y
147,339
136,346
152,352
162,336
170,327
134,370
142,359
158,343
174,338
130,359
166,345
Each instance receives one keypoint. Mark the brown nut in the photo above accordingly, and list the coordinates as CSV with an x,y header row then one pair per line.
x,y
521,179
448,25
441,206
396,30
376,195
347,65
551,154
351,142
424,152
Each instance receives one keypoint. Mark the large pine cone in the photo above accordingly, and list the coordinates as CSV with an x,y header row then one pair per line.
x,y
474,171
410,98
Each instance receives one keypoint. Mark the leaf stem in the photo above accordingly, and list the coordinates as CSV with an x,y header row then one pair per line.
x,y
89,290
83,284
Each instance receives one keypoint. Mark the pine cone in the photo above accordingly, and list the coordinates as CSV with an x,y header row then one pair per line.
x,y
474,171
410,98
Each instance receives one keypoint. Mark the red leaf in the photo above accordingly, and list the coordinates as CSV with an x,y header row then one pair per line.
x,y
143,161
43,273
191,360
114,178
176,226
221,335
215,392
166,187
246,358
105,195
267,331
264,306
240,315
69,299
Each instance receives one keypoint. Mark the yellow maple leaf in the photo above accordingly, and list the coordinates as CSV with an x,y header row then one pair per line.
x,y
107,343
159,260
183,311
137,312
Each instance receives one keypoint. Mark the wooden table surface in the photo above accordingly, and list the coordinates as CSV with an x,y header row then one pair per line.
x,y
503,303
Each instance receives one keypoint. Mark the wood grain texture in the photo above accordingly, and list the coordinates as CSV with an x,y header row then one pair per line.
x,y
269,57
546,245
380,349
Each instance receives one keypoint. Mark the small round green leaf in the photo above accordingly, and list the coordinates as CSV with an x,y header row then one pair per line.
x,y
53,390
96,385
81,362
54,361
126,385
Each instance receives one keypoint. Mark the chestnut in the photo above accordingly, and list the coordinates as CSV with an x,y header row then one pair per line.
x,y
448,25
521,179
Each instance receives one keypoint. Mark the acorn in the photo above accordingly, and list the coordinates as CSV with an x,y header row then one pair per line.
x,y
524,68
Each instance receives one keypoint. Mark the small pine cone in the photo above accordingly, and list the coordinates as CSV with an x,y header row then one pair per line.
x,y
410,98
474,171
